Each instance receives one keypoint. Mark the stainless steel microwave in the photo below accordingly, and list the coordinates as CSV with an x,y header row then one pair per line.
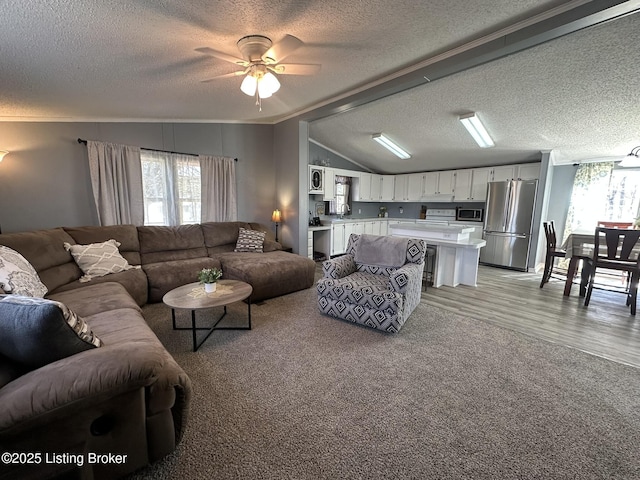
x,y
470,214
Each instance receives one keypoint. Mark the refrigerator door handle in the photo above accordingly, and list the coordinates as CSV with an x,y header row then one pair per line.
x,y
506,234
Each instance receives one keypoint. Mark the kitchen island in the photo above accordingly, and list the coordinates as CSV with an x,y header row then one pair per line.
x,y
457,254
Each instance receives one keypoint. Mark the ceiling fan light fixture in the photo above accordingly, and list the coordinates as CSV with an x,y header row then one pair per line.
x,y
249,85
477,130
632,159
268,85
391,146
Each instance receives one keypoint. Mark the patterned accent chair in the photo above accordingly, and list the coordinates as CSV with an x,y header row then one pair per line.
x,y
378,296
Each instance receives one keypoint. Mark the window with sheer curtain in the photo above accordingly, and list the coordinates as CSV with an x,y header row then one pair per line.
x,y
171,188
603,193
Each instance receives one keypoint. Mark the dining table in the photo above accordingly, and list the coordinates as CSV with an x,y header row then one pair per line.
x,y
579,247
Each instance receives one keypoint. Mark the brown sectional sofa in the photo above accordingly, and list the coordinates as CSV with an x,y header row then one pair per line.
x,y
128,396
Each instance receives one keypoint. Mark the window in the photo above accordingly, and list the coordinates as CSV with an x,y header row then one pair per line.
x,y
172,188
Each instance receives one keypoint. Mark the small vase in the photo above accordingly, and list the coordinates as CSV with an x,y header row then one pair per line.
x,y
210,287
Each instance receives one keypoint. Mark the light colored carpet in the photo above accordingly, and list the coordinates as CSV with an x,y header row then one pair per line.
x,y
304,396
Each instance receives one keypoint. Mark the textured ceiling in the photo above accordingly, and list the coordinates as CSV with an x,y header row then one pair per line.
x,y
135,60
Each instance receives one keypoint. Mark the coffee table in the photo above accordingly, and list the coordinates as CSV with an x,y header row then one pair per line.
x,y
193,297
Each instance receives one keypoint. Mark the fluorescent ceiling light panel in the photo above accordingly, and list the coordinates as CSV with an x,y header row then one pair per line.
x,y
389,145
475,127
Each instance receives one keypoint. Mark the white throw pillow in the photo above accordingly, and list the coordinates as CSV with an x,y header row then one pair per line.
x,y
17,275
98,259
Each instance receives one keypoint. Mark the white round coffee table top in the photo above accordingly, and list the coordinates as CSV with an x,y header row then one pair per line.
x,y
193,297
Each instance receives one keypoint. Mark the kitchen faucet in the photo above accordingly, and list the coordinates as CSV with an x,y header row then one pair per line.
x,y
345,210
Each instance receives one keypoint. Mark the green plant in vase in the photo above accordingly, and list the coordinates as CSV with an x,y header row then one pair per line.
x,y
209,277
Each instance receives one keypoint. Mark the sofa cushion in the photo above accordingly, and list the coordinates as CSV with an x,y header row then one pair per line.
x,y
98,259
134,281
92,299
38,331
249,241
221,237
10,370
165,276
270,274
17,275
45,251
162,244
127,235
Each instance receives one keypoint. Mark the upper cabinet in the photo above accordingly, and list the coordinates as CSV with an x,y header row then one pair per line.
x,y
362,187
528,171
439,185
387,186
316,180
471,184
523,171
465,185
503,172
329,184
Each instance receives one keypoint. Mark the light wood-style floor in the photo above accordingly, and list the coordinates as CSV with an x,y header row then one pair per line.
x,y
515,300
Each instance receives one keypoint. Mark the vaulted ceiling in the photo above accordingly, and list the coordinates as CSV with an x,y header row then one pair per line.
x,y
136,60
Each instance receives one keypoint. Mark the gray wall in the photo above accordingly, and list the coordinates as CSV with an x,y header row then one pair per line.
x,y
44,181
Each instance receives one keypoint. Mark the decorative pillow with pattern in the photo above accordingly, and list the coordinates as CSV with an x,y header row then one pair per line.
x,y
249,241
38,331
17,275
98,259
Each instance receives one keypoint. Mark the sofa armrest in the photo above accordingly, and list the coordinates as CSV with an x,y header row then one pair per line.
x,y
338,267
406,277
61,388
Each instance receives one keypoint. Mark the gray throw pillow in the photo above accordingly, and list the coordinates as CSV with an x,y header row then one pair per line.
x,y
249,241
18,276
38,331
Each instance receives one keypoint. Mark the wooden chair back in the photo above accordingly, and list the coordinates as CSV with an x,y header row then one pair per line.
x,y
550,234
616,245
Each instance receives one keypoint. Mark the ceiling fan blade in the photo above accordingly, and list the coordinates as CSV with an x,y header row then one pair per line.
x,y
221,55
295,69
226,75
282,49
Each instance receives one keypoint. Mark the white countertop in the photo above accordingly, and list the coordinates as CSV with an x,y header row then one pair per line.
x,y
427,227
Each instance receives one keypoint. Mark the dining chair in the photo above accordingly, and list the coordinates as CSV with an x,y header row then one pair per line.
x,y
616,249
553,251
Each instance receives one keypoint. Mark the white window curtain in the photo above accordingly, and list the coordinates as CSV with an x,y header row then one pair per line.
x,y
590,198
116,179
172,188
219,198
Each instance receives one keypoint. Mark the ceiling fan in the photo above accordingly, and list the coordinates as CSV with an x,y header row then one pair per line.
x,y
261,60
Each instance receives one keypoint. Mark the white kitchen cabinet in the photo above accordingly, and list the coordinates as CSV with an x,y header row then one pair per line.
x,y
329,184
479,182
528,171
372,227
409,187
471,184
464,178
310,244
503,172
387,185
362,188
376,187
415,187
400,188
439,183
338,244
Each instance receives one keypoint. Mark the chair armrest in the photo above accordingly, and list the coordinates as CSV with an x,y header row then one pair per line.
x,y
339,267
405,277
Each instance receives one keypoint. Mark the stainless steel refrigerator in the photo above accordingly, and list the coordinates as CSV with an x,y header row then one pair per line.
x,y
507,223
